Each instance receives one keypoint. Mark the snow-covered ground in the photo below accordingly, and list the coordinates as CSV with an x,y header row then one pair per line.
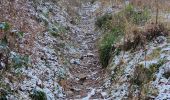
x,y
122,71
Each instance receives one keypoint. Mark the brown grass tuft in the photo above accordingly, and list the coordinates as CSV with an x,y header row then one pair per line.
x,y
140,38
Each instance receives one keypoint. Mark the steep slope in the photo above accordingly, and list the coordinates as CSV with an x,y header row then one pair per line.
x,y
141,74
44,68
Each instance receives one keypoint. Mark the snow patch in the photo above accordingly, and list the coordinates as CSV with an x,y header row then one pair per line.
x,y
89,95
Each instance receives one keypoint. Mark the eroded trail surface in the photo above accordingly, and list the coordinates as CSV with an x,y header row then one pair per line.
x,y
86,72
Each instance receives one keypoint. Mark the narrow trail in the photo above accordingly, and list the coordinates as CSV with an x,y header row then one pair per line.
x,y
87,74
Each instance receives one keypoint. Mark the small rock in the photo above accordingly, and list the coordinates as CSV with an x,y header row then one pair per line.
x,y
160,39
2,65
70,92
39,83
74,89
82,57
11,97
22,88
163,80
103,94
75,61
82,78
90,55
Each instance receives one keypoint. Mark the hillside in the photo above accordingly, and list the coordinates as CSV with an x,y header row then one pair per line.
x,y
85,50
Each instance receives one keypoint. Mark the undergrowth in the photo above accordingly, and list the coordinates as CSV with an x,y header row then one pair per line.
x,y
128,23
143,76
38,95
114,27
105,46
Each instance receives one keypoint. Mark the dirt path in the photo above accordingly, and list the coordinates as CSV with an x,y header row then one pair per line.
x,y
87,73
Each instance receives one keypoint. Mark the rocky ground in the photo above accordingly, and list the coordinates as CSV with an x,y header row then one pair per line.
x,y
123,69
64,60
86,71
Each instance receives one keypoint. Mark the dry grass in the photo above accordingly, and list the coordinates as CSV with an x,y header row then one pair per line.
x,y
142,79
135,34
136,21
139,38
154,54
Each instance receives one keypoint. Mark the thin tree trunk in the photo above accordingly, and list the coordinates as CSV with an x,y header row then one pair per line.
x,y
157,11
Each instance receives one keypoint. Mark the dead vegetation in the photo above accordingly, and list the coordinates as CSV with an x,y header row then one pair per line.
x,y
138,22
140,38
16,14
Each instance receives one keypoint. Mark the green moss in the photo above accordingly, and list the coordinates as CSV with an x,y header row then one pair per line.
x,y
4,26
56,30
53,33
38,95
4,42
19,61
